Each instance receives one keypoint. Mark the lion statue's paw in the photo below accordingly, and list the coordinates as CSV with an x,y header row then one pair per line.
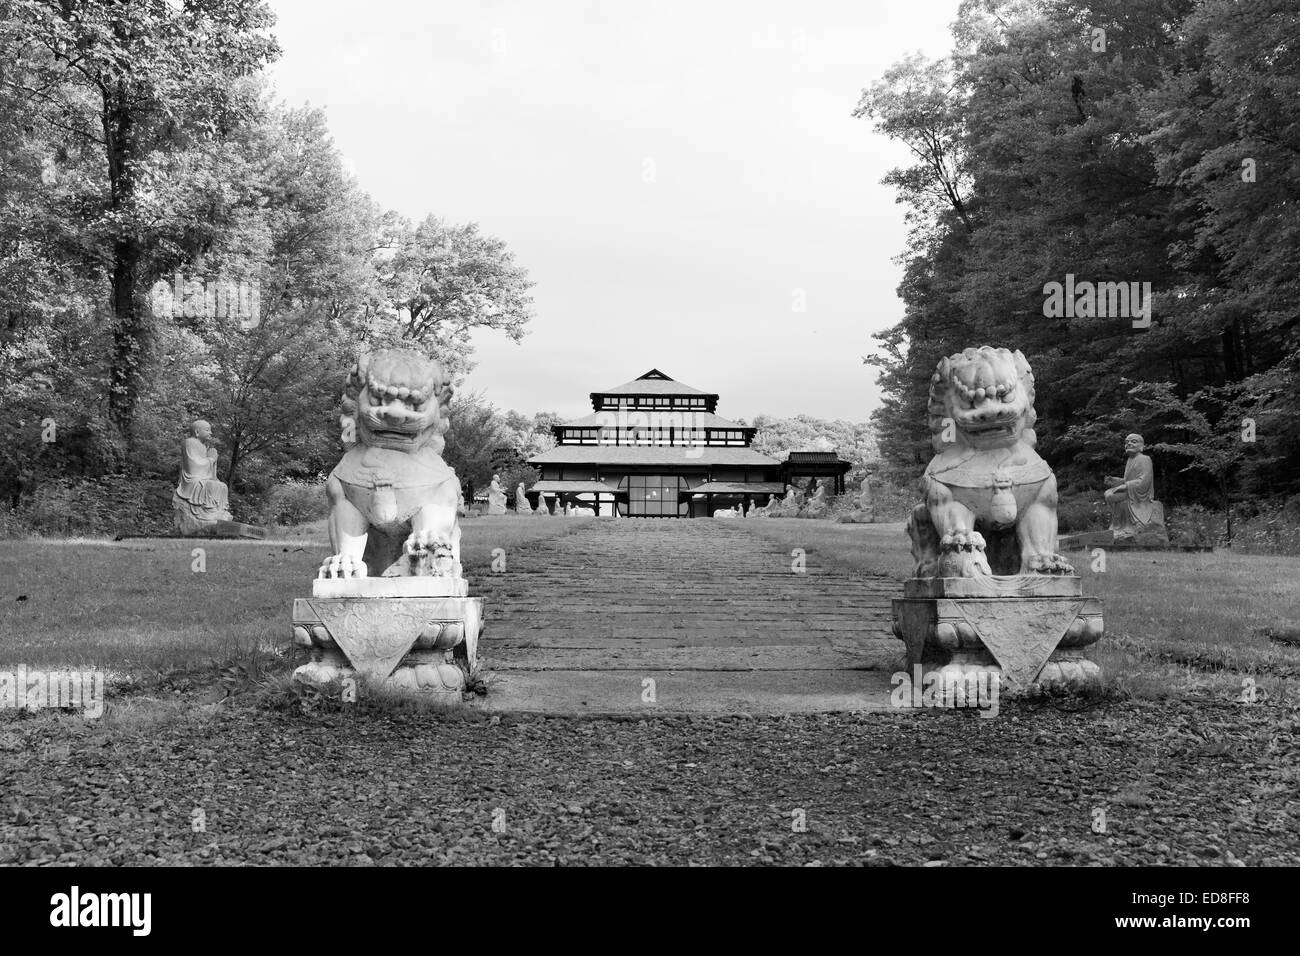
x,y
422,542
430,554
961,555
342,566
1048,564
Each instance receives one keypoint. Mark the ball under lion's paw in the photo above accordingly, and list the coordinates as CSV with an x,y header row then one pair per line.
x,y
1049,564
979,562
342,566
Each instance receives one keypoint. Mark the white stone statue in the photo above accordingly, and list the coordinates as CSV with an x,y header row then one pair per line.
x,y
1135,513
200,499
395,538
864,496
863,511
816,506
787,507
496,497
521,501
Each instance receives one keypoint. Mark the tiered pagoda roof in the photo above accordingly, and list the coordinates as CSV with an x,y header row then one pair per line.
x,y
651,455
654,384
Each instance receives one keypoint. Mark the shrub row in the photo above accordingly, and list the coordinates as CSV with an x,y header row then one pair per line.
x,y
115,505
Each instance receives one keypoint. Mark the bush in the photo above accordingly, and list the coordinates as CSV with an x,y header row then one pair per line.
x,y
894,502
1195,525
1291,510
889,502
295,502
1268,531
1257,528
113,505
1082,511
108,505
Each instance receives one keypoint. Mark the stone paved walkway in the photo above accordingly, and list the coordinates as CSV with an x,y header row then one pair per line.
x,y
712,614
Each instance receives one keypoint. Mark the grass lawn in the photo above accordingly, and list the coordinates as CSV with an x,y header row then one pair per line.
x,y
1185,774
1175,621
138,607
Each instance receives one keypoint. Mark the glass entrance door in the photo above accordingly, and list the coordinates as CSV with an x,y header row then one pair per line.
x,y
652,496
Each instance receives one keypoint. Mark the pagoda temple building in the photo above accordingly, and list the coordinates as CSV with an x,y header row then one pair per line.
x,y
654,447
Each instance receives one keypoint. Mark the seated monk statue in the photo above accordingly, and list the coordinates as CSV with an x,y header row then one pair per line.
x,y
200,499
816,506
863,502
1134,510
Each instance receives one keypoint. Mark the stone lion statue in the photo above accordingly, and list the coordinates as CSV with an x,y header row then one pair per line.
x,y
989,499
392,498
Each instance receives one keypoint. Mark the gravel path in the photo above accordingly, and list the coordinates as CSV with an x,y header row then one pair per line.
x,y
1179,783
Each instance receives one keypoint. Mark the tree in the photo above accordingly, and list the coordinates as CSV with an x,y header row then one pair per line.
x,y
300,225
477,430
1110,158
134,83
531,436
443,282
917,103
1219,430
852,441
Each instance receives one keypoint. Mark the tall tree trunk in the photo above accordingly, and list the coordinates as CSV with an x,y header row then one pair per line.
x,y
126,369
236,459
1227,506
1228,345
130,326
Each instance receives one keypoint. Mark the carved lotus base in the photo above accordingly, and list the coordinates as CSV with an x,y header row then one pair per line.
x,y
1031,630
435,676
425,644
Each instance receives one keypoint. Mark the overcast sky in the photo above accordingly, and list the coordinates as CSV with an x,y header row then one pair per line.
x,y
673,175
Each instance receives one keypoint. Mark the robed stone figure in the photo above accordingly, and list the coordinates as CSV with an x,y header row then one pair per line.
x,y
1134,510
200,499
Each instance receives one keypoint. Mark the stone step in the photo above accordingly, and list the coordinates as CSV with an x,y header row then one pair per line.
x,y
641,657
618,692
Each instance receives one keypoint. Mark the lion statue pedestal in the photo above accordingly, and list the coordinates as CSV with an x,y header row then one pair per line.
x,y
390,605
989,592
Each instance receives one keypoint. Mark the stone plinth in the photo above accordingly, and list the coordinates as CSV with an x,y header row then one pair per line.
x,y
212,529
995,585
389,587
1144,541
1031,630
427,644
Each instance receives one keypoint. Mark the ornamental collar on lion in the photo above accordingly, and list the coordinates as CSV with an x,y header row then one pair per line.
x,y
982,420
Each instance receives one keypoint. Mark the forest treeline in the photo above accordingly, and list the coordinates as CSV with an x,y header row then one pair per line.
x,y
1131,141
142,152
